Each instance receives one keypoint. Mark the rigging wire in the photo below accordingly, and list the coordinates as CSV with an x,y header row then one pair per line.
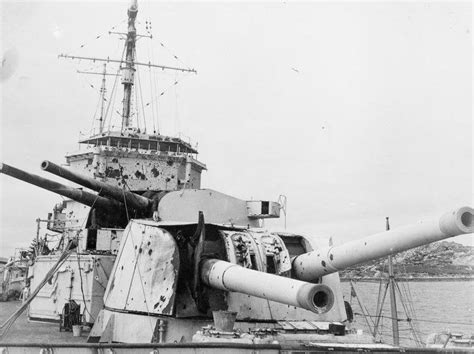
x,y
384,328
136,259
162,93
171,53
91,130
378,315
152,91
82,286
407,314
153,83
176,112
362,307
134,112
111,102
86,44
410,296
91,67
141,100
148,28
380,301
407,304
140,277
150,77
411,309
423,320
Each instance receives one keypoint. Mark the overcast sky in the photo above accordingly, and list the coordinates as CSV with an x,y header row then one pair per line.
x,y
354,111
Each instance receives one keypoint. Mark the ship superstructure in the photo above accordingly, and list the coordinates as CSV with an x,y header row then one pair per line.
x,y
139,162
128,157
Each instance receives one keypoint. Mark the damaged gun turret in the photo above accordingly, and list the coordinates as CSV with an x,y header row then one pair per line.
x,y
311,266
180,270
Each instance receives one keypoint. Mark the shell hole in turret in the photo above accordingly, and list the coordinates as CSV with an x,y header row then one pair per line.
x,y
321,299
466,219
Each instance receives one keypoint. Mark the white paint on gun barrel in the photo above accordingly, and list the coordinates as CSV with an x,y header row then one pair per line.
x,y
312,265
227,276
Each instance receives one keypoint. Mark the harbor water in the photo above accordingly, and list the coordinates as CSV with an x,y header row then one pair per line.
x,y
434,307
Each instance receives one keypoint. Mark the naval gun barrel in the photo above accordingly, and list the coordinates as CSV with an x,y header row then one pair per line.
x,y
312,265
223,275
132,200
78,195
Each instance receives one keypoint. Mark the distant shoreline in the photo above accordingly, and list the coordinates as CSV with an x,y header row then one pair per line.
x,y
405,279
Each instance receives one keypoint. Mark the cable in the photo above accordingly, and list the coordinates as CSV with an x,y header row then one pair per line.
x,y
141,100
141,282
153,105
176,82
173,55
176,111
113,93
421,320
153,85
86,44
91,131
82,288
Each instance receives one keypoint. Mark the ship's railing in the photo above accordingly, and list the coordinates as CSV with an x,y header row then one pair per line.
x,y
104,148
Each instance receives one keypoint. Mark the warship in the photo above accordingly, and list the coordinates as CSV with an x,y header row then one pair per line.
x,y
149,261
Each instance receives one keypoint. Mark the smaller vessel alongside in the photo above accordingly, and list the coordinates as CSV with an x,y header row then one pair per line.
x,y
14,275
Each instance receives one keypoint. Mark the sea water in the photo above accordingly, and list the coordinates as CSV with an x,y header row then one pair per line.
x,y
432,306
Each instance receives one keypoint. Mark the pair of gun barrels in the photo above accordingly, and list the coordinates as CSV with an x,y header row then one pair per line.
x,y
110,198
309,267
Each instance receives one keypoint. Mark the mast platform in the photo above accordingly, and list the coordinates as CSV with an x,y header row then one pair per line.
x,y
133,139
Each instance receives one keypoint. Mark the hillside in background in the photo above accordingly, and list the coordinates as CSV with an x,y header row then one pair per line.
x,y
442,259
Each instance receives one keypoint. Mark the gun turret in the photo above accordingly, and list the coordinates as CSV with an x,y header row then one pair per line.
x,y
78,195
132,200
312,265
309,267
261,275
